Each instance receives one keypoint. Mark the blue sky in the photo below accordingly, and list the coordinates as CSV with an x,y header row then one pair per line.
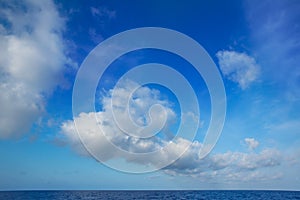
x,y
254,45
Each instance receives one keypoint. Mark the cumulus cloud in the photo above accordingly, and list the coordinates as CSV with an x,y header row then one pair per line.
x,y
251,143
32,62
119,134
229,165
238,67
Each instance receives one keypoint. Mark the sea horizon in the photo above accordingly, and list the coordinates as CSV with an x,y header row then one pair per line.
x,y
149,99
112,190
149,194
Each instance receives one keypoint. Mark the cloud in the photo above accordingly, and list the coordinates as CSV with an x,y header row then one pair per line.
x,y
103,15
32,62
95,36
251,143
229,165
103,12
140,103
238,67
275,39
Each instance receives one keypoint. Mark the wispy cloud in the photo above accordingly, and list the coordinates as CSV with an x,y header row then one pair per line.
x,y
251,143
102,15
275,34
238,67
32,62
103,12
290,127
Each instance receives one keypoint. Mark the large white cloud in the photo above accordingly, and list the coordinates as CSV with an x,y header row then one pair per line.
x,y
229,165
32,62
238,67
139,106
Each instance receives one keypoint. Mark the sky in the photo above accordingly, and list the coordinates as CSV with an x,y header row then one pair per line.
x,y
208,97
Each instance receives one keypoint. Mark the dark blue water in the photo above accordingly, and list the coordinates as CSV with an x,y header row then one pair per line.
x,y
70,195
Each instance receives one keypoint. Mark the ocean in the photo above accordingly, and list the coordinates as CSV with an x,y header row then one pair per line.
x,y
124,195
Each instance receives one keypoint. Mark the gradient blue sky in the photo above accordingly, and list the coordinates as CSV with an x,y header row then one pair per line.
x,y
255,45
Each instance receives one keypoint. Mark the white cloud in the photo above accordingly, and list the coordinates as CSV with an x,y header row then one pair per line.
x,y
251,143
103,12
238,67
229,165
32,62
139,106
